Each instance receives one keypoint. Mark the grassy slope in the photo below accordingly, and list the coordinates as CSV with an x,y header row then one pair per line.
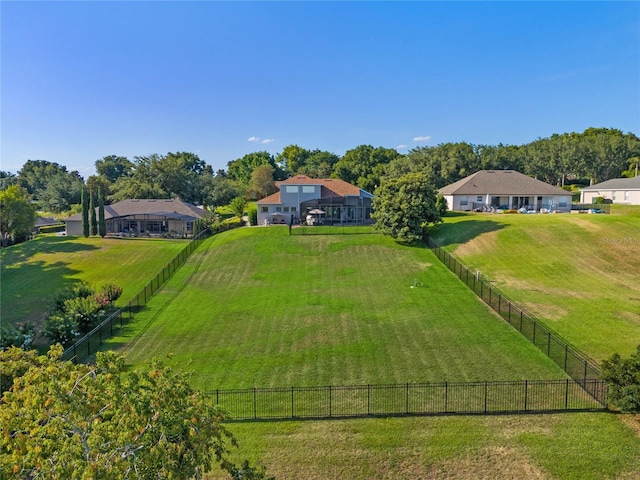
x,y
33,272
566,446
266,309
578,273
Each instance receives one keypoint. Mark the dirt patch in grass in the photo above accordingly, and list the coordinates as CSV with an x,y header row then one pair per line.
x,y
492,463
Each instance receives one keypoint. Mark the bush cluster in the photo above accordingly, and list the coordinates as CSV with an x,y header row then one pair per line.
x,y
77,309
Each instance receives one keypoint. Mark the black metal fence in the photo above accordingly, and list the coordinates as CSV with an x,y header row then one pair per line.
x,y
591,207
409,399
575,363
92,341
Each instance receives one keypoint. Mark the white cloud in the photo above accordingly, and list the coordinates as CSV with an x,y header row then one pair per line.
x,y
425,138
402,147
267,140
253,139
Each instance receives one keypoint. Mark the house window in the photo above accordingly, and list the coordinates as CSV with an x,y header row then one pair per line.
x,y
293,209
286,209
463,201
264,209
613,195
562,204
479,199
626,196
308,189
278,209
291,189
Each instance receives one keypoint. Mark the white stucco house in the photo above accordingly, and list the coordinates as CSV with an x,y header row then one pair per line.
x,y
148,217
617,190
507,190
300,196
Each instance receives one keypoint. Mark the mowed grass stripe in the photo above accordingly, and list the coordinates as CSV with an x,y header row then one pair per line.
x,y
578,273
266,309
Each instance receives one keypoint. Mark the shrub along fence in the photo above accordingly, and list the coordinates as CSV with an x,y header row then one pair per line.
x,y
409,399
92,341
575,363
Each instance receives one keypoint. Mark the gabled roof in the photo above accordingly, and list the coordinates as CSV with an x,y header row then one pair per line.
x,y
632,183
500,182
170,208
331,187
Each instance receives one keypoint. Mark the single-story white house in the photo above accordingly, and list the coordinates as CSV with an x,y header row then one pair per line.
x,y
148,217
507,190
324,200
618,190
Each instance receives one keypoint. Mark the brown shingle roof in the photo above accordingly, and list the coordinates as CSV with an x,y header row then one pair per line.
x,y
147,206
331,187
500,182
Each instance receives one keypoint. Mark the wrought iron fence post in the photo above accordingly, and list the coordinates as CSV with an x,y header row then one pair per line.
x,y
526,394
406,399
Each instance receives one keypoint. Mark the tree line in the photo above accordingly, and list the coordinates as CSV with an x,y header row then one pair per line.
x,y
593,156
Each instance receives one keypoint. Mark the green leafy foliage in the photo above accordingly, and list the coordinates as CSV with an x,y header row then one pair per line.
x,y
61,328
20,336
405,206
252,213
17,215
237,206
77,309
623,380
65,421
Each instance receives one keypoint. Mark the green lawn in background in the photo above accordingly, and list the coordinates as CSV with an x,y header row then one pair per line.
x,y
33,272
257,307
578,273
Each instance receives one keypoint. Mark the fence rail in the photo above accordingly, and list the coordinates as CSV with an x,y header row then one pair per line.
x,y
575,363
321,402
92,341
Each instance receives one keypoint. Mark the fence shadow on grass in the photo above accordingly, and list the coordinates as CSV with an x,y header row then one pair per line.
x,y
463,231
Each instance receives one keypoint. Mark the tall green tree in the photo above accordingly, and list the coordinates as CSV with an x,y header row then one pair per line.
x,y
364,165
242,168
17,215
6,179
112,167
292,159
238,206
404,207
319,164
102,223
93,221
262,183
85,211
75,421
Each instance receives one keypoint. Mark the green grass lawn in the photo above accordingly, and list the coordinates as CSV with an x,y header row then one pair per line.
x,y
33,272
306,294
576,446
257,307
580,274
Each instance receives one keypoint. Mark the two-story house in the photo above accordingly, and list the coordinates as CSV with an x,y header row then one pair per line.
x,y
299,196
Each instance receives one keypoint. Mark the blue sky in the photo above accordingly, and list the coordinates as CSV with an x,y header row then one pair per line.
x,y
81,80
